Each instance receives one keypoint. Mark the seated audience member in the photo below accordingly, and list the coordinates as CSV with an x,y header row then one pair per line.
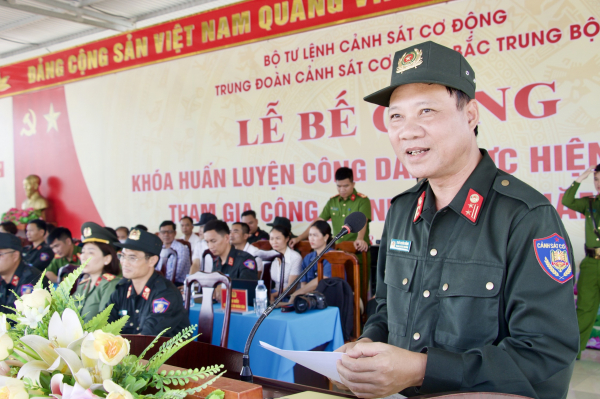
x,y
187,231
239,239
181,266
15,275
319,235
140,227
8,227
256,234
122,233
65,252
200,247
279,238
38,254
102,273
152,302
228,260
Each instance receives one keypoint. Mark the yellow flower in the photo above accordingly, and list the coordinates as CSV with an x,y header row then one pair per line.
x,y
109,349
12,389
114,391
39,298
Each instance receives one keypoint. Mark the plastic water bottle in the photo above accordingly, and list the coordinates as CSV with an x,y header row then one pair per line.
x,y
261,298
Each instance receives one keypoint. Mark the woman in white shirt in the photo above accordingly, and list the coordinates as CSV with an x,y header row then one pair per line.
x,y
279,238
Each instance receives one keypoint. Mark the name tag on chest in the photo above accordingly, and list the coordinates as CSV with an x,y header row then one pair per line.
x,y
400,245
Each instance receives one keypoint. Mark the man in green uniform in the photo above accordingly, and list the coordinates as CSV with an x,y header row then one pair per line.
x,y
152,302
236,264
65,252
101,273
588,284
38,254
15,276
474,278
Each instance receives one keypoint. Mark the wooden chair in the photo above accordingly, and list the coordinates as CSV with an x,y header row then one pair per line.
x,y
208,282
267,262
303,247
345,263
165,255
348,246
263,245
188,245
65,271
212,257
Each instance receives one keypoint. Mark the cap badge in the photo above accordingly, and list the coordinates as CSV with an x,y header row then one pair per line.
x,y
87,232
134,235
410,60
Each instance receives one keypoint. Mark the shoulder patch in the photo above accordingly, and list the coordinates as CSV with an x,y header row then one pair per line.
x,y
26,289
44,257
250,264
160,305
553,256
510,186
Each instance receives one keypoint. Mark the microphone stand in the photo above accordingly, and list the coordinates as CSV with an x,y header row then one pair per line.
x,y
246,373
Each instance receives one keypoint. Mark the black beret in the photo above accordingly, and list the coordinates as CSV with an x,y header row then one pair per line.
x,y
10,241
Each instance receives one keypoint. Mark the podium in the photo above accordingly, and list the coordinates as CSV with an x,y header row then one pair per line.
x,y
199,354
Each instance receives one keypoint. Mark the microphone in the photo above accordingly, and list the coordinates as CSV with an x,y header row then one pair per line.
x,y
352,224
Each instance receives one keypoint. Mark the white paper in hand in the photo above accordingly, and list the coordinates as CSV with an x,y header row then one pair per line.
x,y
322,362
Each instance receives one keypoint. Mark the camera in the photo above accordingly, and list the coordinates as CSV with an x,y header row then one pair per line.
x,y
309,301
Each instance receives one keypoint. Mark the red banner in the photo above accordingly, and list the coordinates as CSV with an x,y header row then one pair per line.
x,y
233,25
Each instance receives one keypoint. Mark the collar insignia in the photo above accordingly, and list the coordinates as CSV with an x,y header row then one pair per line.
x,y
129,292
352,197
146,293
472,207
230,261
15,280
410,60
419,207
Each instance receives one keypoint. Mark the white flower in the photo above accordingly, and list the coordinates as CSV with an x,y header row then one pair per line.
x,y
83,376
32,316
33,307
115,391
4,369
39,298
12,389
108,348
6,343
66,330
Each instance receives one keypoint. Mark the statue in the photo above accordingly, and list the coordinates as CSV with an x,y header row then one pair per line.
x,y
34,200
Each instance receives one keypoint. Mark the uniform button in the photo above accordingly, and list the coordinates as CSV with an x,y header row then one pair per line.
x,y
405,281
137,311
344,215
505,183
445,287
489,286
137,328
344,204
426,293
433,252
416,336
131,324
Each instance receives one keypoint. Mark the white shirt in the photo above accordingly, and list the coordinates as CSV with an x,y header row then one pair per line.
x,y
252,250
197,251
293,266
193,239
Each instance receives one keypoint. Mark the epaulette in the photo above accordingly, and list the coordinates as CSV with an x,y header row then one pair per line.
x,y
512,187
361,195
413,189
337,195
108,276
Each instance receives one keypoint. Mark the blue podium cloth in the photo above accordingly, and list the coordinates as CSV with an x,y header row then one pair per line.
x,y
292,331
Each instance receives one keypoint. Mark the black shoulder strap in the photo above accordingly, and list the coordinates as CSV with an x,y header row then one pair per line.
x,y
595,224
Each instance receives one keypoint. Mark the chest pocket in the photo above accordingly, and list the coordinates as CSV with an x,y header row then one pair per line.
x,y
469,299
399,273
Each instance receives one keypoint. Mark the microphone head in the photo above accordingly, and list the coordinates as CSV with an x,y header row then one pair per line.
x,y
355,222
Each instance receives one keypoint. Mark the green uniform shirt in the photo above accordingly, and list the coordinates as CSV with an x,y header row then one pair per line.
x,y
338,208
57,263
464,285
97,294
582,205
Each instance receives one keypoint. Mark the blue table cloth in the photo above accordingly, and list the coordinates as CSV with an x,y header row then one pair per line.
x,y
292,331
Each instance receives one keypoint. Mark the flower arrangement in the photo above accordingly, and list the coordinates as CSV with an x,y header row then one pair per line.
x,y
21,216
50,353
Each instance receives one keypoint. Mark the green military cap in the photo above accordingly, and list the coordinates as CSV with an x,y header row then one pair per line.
x,y
140,240
93,232
10,241
427,62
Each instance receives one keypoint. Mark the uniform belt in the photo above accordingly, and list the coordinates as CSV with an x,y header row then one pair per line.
x,y
592,252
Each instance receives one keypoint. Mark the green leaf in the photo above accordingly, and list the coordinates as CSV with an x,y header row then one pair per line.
x,y
98,321
217,394
116,326
40,283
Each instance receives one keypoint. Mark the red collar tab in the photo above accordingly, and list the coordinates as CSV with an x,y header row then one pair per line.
x,y
472,207
129,292
230,261
15,280
419,207
75,258
38,248
146,293
352,197
98,281
256,233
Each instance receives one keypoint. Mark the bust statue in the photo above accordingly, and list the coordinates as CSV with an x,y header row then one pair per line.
x,y
34,200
